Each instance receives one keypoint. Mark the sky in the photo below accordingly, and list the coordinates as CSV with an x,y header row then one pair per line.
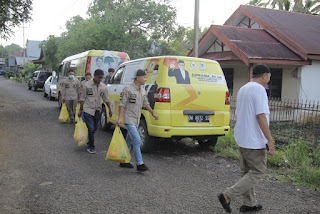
x,y
49,17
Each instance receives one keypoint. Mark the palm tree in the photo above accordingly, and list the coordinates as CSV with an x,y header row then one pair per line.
x,y
300,6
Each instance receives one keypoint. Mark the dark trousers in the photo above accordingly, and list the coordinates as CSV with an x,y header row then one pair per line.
x,y
92,123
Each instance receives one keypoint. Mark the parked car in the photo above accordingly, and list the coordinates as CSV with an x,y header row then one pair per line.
x,y
50,88
37,80
2,72
190,96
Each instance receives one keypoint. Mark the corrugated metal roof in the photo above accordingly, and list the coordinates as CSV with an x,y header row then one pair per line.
x,y
255,43
297,29
33,49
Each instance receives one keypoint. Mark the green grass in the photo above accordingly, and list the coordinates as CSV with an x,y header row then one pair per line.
x,y
298,162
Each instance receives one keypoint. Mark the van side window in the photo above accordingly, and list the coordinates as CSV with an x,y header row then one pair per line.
x,y
117,76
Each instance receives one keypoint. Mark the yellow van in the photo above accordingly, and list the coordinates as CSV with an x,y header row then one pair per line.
x,y
89,61
190,96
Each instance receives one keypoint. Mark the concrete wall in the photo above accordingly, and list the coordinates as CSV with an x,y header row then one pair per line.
x,y
310,82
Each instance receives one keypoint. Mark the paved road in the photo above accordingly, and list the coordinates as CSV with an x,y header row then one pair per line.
x,y
42,170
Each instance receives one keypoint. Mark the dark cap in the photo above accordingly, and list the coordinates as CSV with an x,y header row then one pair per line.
x,y
111,70
260,69
88,74
140,73
98,73
181,61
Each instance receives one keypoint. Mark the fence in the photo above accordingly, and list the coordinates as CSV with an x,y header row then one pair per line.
x,y
290,119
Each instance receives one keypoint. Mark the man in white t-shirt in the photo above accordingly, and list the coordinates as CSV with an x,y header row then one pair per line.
x,y
253,137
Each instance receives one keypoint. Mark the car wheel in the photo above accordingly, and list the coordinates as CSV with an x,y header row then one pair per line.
x,y
208,142
146,140
59,101
51,97
29,86
45,94
104,125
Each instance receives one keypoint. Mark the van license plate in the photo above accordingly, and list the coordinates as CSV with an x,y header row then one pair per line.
x,y
198,118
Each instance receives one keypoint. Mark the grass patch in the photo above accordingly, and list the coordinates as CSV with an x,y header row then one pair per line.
x,y
297,162
226,147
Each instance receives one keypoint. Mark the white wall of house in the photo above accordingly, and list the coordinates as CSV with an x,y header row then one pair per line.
x,y
310,82
290,83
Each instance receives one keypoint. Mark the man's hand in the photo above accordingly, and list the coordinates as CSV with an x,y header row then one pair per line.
x,y
118,122
271,148
80,113
155,116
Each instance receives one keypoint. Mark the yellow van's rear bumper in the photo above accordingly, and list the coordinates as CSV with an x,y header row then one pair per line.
x,y
169,131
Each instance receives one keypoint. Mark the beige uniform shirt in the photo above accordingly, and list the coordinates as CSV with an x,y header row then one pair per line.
x,y
70,89
133,99
91,94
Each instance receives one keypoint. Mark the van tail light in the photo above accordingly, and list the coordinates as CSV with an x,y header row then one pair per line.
x,y
162,95
227,102
88,64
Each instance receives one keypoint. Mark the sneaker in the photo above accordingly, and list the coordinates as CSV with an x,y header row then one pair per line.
x,y
126,165
142,168
245,208
91,151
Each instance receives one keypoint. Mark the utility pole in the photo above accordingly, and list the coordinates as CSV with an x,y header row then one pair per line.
x,y
23,46
196,29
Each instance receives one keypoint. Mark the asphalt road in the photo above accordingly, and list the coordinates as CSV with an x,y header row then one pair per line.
x,y
42,170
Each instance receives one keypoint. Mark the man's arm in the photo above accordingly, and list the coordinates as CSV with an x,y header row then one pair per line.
x,y
121,110
263,123
148,107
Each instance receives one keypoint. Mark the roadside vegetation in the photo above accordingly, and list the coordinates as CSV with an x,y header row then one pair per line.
x,y
297,162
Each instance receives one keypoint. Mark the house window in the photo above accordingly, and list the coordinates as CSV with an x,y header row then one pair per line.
x,y
228,73
275,84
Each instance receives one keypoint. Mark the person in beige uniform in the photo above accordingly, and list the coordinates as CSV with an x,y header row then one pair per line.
x,y
90,103
70,93
133,98
88,76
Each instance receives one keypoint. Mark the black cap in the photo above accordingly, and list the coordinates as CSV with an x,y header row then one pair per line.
x,y
260,69
111,70
98,73
140,73
88,74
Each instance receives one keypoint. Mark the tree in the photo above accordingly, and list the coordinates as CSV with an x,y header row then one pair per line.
x,y
50,52
299,6
13,13
7,51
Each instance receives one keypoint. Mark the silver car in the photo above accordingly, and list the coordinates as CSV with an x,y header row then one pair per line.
x,y
50,88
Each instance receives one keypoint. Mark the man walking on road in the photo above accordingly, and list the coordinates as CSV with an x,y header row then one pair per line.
x,y
253,137
88,77
133,98
90,103
70,93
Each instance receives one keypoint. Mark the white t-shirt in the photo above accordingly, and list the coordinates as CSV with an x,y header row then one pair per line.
x,y
252,100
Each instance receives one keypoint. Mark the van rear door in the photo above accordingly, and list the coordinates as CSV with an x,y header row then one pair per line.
x,y
198,93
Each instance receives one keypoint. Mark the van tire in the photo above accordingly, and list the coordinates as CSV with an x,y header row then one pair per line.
x,y
45,94
207,142
147,141
104,124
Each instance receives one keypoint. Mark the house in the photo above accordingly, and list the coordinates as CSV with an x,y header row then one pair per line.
x,y
289,43
32,53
